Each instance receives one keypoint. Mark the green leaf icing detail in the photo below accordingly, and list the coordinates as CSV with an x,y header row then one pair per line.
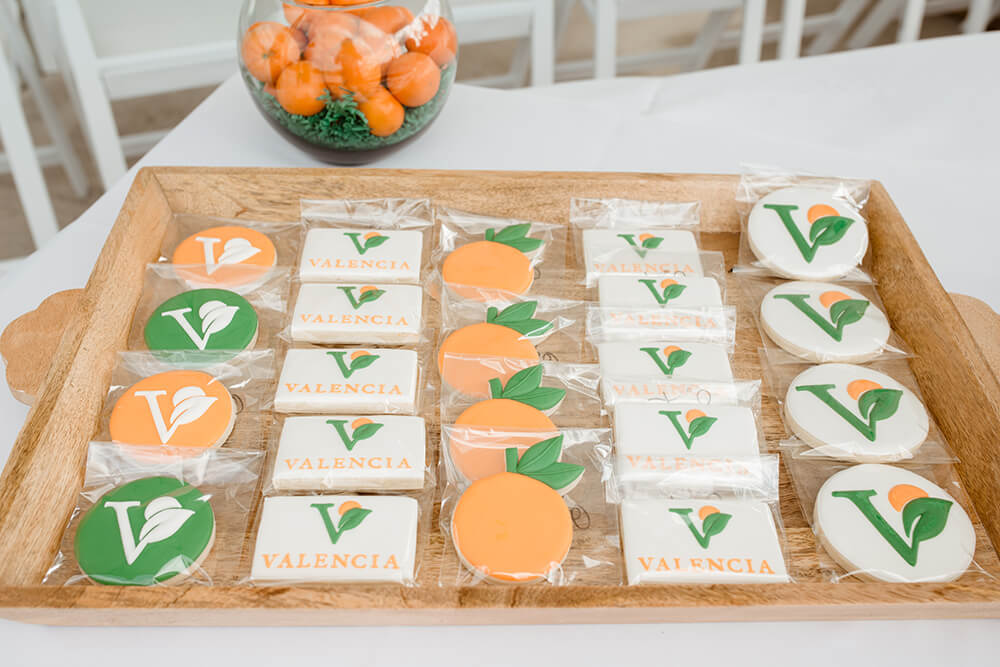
x,y
541,462
519,317
515,236
524,387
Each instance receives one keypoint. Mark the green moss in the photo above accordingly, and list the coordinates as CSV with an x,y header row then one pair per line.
x,y
341,124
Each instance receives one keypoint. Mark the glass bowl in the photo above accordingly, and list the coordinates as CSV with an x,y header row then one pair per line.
x,y
348,81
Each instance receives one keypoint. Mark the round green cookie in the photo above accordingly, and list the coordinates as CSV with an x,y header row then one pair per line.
x,y
145,532
202,319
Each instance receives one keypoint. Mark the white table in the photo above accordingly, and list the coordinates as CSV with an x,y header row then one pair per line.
x,y
920,117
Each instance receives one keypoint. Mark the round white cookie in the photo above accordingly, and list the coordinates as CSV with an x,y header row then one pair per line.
x,y
823,322
854,413
807,234
886,523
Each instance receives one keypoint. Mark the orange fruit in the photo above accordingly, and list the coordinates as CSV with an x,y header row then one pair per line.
x,y
482,340
361,73
386,19
267,49
342,22
384,114
434,36
487,265
413,78
300,88
324,47
476,460
511,527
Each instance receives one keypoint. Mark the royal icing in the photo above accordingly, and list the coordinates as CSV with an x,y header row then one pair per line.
x,y
350,453
203,319
654,291
347,255
500,262
887,523
340,539
178,408
228,256
700,541
348,380
357,314
807,234
855,413
824,322
145,532
638,253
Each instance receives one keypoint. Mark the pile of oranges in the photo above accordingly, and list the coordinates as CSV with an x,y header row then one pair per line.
x,y
383,57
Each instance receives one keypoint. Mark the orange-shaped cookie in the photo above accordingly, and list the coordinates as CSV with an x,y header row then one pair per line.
x,y
512,526
498,263
176,408
506,333
227,256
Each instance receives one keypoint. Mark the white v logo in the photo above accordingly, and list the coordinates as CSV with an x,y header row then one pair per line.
x,y
215,316
164,517
235,250
190,403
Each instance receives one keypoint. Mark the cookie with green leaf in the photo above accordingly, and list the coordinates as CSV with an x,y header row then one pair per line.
x,y
501,261
514,526
509,333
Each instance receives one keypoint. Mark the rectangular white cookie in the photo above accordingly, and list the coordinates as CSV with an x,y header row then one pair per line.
x,y
350,453
345,314
639,359
314,381
299,540
662,548
339,255
609,252
651,292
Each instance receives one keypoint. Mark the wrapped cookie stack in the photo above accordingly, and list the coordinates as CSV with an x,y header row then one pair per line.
x,y
698,502
870,466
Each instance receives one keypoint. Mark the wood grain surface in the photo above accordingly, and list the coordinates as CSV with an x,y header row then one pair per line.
x,y
40,483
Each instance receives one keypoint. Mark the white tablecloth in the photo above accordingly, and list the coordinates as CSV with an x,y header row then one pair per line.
x,y
922,118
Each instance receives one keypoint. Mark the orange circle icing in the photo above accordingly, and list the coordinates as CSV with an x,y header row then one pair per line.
x,y
176,408
476,459
487,265
901,494
512,528
228,256
818,211
830,298
471,376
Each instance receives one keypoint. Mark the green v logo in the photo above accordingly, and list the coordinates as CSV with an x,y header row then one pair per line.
x,y
674,357
874,405
367,295
842,313
823,231
366,243
349,365
643,244
666,291
351,514
923,519
363,430
713,522
698,425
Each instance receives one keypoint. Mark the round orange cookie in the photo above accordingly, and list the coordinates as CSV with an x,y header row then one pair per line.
x,y
228,256
510,527
176,408
487,265
481,340
476,459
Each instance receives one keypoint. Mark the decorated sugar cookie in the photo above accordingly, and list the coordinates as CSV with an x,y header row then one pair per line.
x,y
656,360
638,253
887,523
348,380
381,313
145,532
357,255
823,322
700,541
350,452
658,291
203,319
337,539
515,526
644,429
227,256
855,413
176,408
500,262
807,234
505,333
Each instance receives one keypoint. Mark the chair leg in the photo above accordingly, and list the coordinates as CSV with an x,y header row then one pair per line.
x,y
980,12
913,19
843,18
543,48
20,151
706,41
793,14
605,38
83,76
752,34
881,16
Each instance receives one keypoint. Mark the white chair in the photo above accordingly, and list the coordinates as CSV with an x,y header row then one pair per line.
x,y
910,14
119,49
478,21
22,159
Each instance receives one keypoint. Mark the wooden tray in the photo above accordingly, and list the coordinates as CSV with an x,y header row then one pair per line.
x,y
44,473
